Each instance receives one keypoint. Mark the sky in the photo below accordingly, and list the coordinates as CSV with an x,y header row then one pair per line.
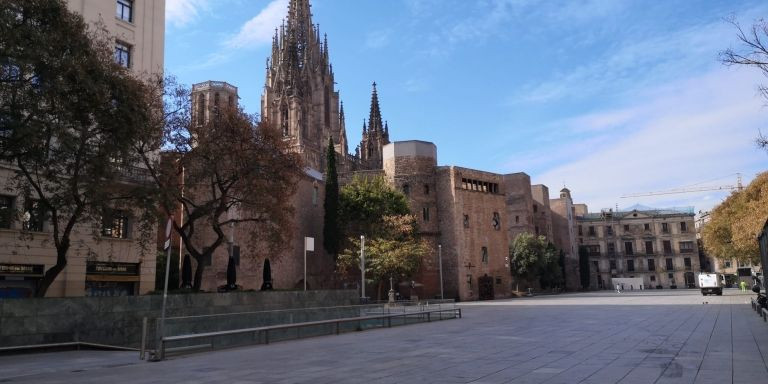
x,y
608,98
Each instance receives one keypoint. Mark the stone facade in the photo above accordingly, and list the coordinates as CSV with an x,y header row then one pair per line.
x,y
103,259
657,245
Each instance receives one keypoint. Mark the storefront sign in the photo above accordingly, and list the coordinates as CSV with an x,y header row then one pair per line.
x,y
105,268
22,269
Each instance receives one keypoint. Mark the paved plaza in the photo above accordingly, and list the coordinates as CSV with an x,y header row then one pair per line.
x,y
669,336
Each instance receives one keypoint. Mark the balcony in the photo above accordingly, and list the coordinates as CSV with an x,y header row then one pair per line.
x,y
132,174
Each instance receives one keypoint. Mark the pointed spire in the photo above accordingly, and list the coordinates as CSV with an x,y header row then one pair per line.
x,y
365,130
341,111
374,117
386,128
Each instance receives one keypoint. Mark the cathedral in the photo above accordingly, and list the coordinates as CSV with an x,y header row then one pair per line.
x,y
300,98
468,218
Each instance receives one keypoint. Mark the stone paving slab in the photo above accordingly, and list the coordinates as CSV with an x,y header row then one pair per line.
x,y
602,337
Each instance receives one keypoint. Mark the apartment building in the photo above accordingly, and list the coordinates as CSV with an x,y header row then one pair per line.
x,y
657,245
104,259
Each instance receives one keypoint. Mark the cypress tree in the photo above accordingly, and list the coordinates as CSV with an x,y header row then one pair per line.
x,y
331,235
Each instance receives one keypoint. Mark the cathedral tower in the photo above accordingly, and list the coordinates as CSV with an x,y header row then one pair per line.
x,y
299,96
375,136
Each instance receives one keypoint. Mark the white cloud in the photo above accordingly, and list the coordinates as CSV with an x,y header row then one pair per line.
x,y
260,29
180,13
378,39
680,134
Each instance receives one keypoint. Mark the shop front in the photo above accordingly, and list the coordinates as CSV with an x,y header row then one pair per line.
x,y
111,279
19,280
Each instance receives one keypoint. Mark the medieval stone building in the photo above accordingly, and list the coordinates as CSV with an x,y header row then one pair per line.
x,y
468,218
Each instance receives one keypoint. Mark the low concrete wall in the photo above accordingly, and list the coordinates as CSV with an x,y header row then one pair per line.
x,y
118,320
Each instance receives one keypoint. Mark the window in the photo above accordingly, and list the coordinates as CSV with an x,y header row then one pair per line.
x,y
611,249
591,231
626,227
665,227
6,211
608,230
649,247
628,248
425,213
496,221
686,247
651,265
466,221
671,277
613,264
683,226
647,227
314,195
630,265
687,263
580,231
517,219
406,189
667,247
125,10
34,216
727,264
670,265
123,54
426,189
593,250
535,208
484,251
115,224
653,278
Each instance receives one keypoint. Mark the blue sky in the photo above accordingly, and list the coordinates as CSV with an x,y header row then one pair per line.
x,y
607,97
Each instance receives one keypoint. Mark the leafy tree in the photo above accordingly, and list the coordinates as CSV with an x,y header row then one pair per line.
x,y
392,247
753,53
69,116
366,201
331,231
394,252
734,224
534,257
236,171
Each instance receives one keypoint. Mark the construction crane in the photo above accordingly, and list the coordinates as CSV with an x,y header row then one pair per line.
x,y
691,189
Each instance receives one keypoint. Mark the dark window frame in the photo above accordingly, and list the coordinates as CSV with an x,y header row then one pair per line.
x,y
124,10
123,54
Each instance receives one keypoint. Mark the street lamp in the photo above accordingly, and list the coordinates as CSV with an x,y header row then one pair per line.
x,y
362,266
440,263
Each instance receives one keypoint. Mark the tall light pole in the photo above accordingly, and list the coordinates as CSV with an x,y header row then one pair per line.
x,y
362,266
440,263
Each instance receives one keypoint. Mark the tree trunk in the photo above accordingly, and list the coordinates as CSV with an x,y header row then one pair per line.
x,y
198,273
51,274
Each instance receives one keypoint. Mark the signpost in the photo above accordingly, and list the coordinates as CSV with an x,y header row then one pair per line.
x,y
309,245
167,247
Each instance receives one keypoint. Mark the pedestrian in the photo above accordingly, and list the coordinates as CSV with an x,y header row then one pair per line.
x,y
618,288
743,286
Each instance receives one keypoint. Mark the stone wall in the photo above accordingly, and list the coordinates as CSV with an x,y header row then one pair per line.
x,y
118,320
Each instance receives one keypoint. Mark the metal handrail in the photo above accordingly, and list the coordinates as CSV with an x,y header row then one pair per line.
x,y
257,331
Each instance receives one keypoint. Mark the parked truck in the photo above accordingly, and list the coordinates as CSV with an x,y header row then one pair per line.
x,y
711,283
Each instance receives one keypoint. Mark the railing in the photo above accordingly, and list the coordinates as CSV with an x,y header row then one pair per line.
x,y
388,317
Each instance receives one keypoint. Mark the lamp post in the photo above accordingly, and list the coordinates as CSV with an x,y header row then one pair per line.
x,y
362,266
440,264
167,247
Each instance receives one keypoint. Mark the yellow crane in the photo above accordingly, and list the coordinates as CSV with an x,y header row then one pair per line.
x,y
692,189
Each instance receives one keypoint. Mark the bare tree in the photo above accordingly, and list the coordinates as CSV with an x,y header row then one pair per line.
x,y
236,171
753,53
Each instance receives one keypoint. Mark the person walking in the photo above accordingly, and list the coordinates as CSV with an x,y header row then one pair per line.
x,y
743,286
618,288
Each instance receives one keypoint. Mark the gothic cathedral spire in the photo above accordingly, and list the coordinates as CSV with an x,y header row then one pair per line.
x,y
374,137
299,95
